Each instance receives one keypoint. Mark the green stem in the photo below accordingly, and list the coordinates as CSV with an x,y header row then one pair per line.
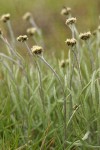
x,y
39,75
11,31
64,103
90,55
70,86
78,67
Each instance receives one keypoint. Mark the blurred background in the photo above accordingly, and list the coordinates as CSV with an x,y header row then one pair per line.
x,y
46,14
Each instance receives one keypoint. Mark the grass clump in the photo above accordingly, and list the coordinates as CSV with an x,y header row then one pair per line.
x,y
53,110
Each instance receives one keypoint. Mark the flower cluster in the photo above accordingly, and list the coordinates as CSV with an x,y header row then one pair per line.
x,y
27,16
65,11
22,38
71,42
71,21
37,50
5,17
31,31
85,36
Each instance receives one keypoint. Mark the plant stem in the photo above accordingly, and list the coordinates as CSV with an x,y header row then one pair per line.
x,y
12,51
64,103
32,22
70,86
39,75
11,59
11,31
78,67
90,55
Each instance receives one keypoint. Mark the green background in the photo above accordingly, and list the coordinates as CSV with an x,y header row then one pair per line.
x,y
47,16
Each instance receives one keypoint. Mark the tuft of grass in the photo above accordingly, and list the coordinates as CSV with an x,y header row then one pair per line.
x,y
37,111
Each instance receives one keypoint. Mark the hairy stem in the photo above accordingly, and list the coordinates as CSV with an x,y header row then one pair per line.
x,y
78,67
39,75
11,31
64,103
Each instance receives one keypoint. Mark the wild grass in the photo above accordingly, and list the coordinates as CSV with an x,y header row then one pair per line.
x,y
47,103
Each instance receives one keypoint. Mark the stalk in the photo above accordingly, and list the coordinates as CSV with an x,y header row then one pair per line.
x,y
78,67
39,75
11,31
32,22
70,86
90,55
11,59
12,51
64,103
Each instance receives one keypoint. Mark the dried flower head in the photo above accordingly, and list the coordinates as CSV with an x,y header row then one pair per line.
x,y
71,21
31,31
71,42
5,17
27,16
85,36
22,38
37,50
65,11
99,28
75,107
62,63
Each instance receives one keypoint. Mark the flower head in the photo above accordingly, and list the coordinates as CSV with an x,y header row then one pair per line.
x,y
31,31
27,16
62,63
65,11
5,17
71,21
37,50
75,107
22,38
99,28
85,36
71,42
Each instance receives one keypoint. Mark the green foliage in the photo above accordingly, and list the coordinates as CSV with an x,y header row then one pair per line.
x,y
37,102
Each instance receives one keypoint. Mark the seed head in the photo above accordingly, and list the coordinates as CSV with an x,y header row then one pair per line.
x,y
99,28
71,42
31,31
63,64
5,17
22,38
75,107
37,50
65,11
27,16
85,36
71,21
